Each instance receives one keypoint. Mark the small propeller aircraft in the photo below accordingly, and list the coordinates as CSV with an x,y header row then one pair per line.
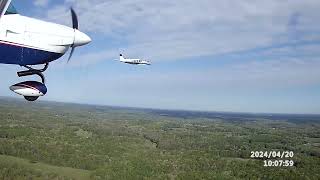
x,y
134,61
26,41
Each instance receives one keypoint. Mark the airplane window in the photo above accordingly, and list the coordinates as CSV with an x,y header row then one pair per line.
x,y
11,10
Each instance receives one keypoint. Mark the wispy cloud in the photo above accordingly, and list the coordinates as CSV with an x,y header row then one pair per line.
x,y
176,30
41,3
242,55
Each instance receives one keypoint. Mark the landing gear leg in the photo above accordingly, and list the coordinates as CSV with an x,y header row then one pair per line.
x,y
31,90
32,71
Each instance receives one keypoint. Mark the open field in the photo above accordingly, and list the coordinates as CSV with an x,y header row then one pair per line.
x,y
40,169
47,140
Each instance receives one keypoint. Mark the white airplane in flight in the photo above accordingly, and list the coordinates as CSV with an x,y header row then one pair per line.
x,y
26,41
134,61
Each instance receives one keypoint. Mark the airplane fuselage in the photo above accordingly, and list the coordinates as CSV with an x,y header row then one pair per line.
x,y
135,61
28,41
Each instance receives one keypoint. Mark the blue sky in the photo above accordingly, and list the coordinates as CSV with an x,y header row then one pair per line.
x,y
222,55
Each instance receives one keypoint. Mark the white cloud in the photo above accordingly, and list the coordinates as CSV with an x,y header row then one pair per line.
x,y
282,31
179,29
41,3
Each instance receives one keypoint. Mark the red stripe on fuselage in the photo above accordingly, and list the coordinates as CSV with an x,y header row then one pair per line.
x,y
27,86
20,45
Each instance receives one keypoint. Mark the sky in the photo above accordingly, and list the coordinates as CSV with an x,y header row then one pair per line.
x,y
209,55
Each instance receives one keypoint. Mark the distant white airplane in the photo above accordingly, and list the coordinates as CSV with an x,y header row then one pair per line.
x,y
134,61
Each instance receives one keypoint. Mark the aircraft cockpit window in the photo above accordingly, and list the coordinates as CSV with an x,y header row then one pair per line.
x,y
11,10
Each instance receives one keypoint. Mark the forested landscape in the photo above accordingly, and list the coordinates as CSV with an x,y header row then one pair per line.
x,y
47,140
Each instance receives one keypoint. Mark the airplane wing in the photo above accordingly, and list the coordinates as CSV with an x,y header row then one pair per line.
x,y
4,4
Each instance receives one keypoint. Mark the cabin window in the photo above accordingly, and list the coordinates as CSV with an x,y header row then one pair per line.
x,y
11,10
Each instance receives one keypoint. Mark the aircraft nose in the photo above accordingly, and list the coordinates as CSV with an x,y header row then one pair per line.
x,y
80,38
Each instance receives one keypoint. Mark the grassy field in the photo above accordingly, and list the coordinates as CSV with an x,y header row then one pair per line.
x,y
43,170
67,141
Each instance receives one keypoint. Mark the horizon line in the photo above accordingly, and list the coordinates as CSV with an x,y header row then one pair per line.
x,y
164,109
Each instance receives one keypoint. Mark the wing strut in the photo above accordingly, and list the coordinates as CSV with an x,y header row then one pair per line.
x,y
4,4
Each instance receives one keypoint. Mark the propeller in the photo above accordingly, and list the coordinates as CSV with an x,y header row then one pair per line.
x,y
75,25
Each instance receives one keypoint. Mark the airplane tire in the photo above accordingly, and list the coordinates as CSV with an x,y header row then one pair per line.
x,y
31,98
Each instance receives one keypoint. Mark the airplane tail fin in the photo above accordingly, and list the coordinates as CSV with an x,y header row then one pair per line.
x,y
121,57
